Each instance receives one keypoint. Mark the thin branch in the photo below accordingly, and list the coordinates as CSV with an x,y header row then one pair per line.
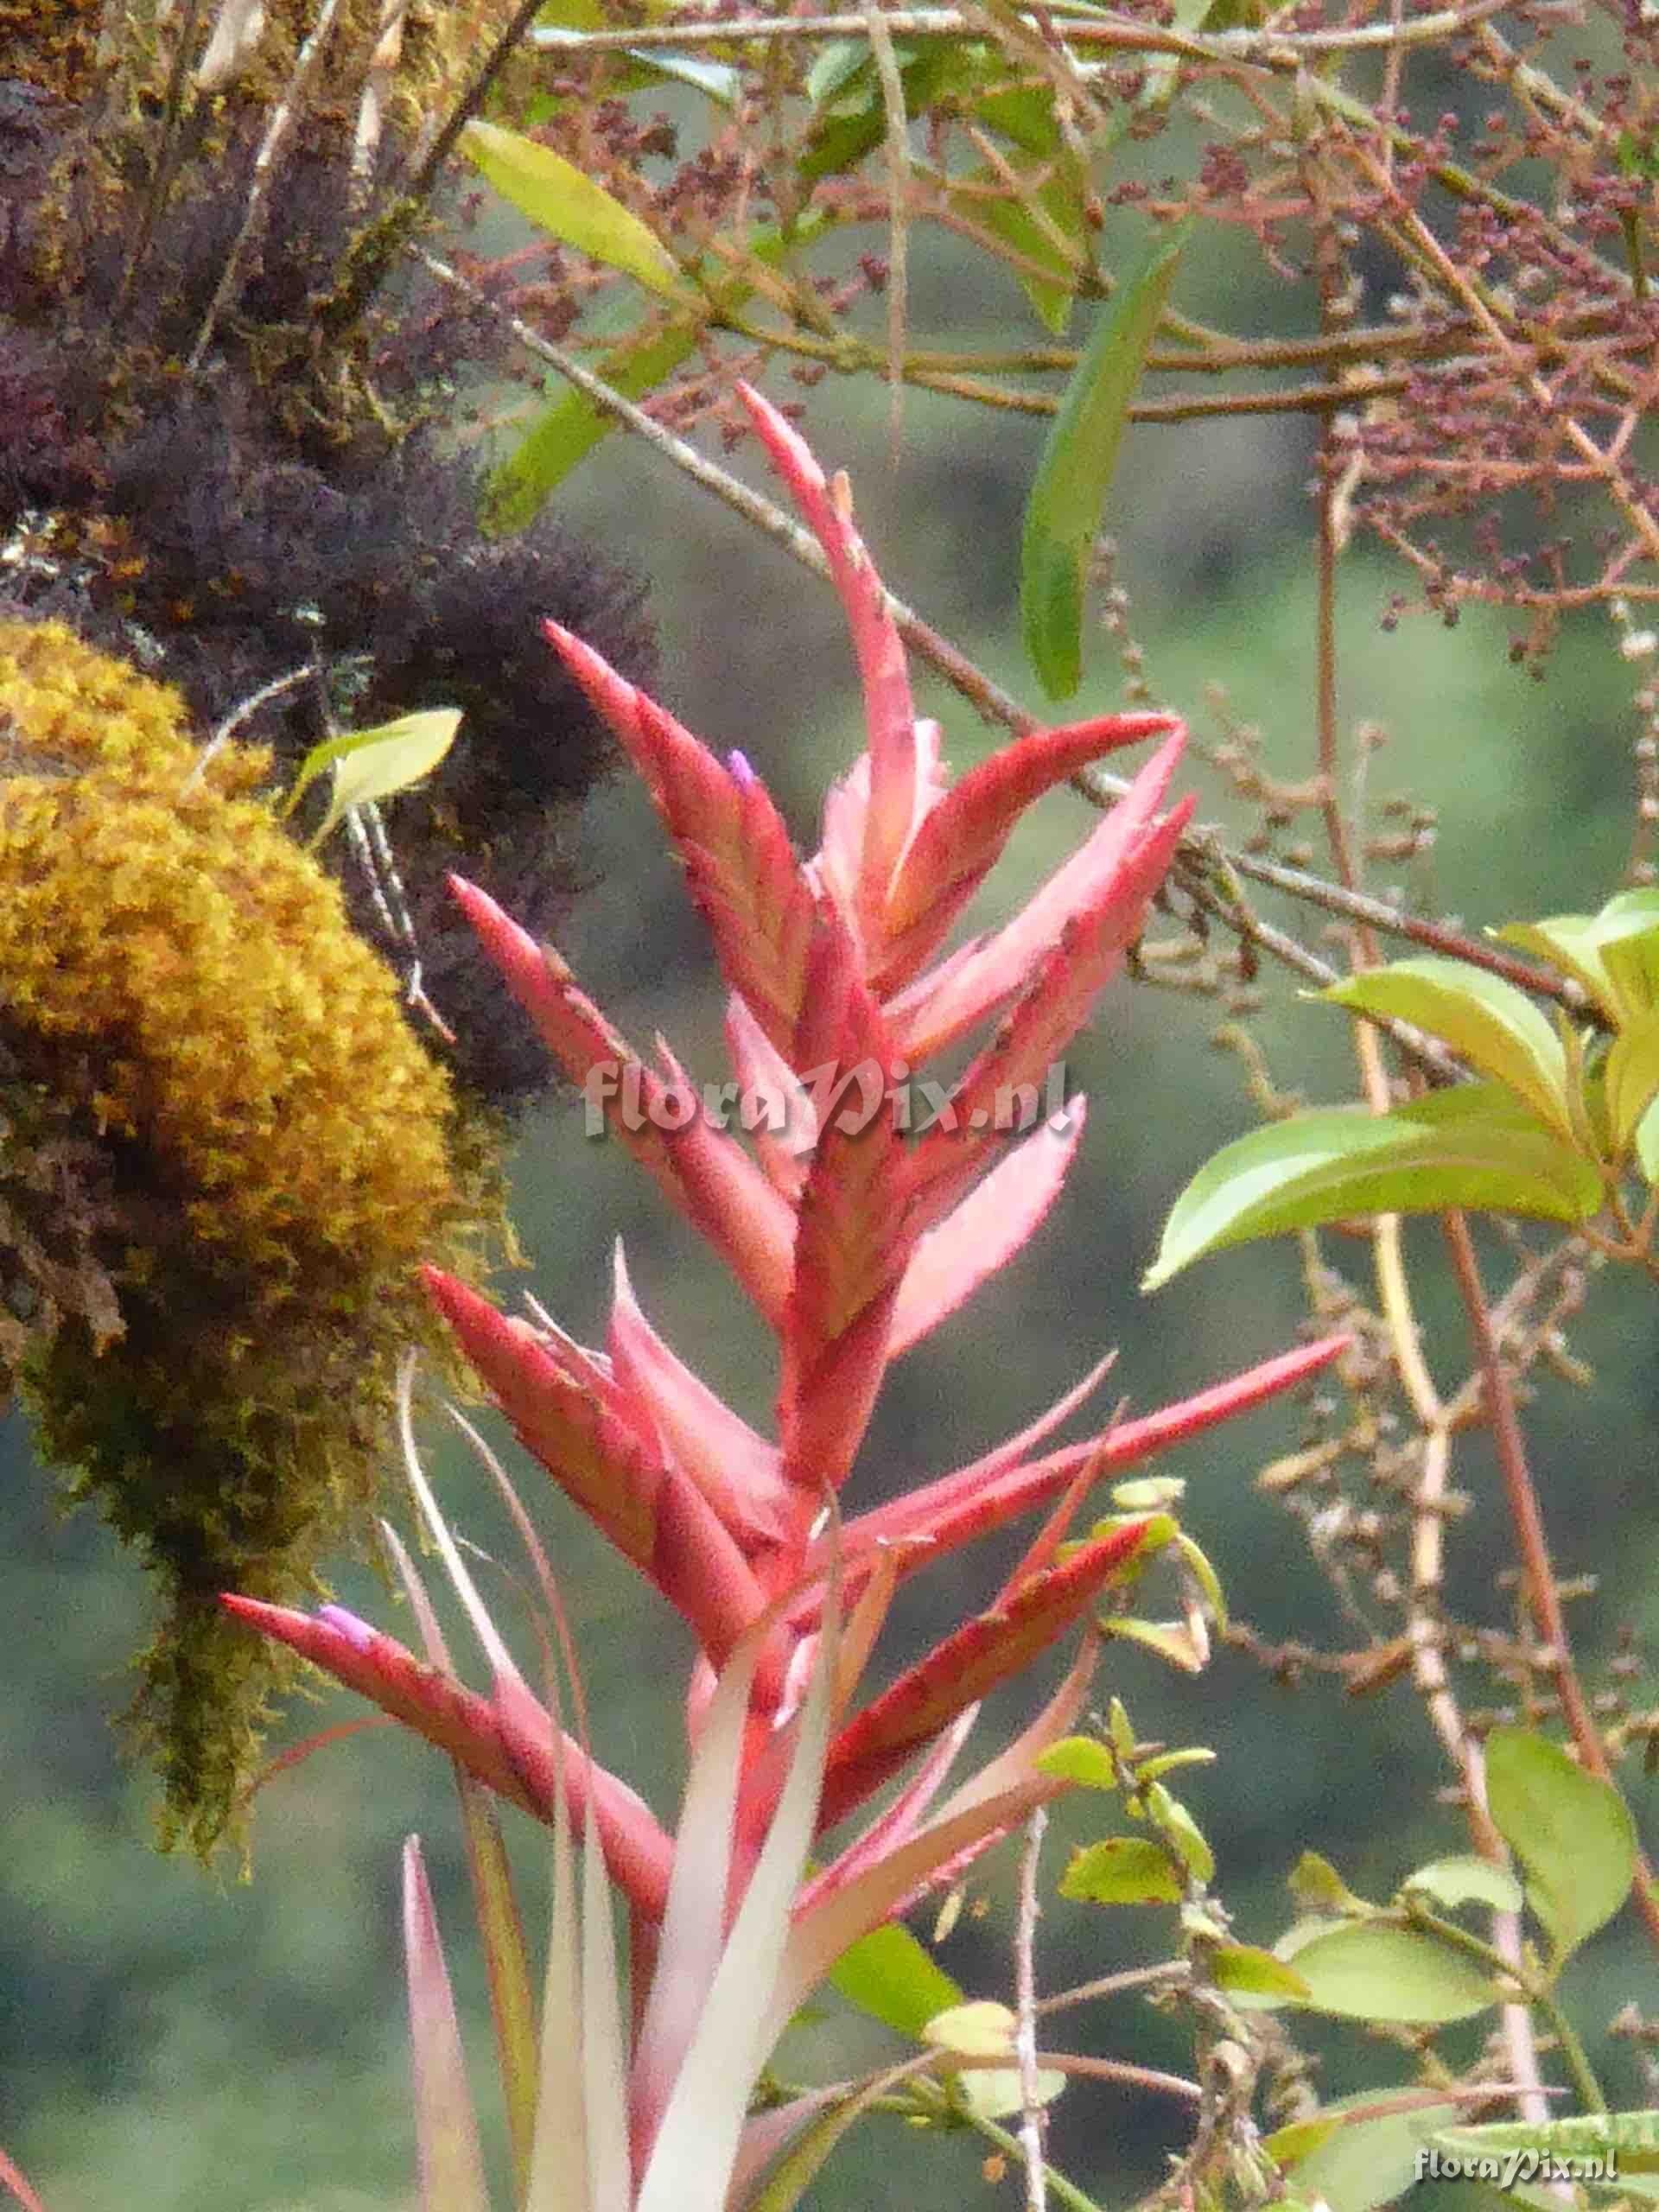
x,y
282,122
1438,937
1025,2041
1277,50
1538,1573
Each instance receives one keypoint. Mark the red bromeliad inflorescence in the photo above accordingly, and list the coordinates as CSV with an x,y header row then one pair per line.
x,y
853,1238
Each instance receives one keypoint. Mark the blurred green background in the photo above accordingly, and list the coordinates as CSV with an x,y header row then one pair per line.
x,y
173,2043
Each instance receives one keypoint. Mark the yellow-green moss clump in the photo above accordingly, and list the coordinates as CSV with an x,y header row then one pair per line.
x,y
252,1152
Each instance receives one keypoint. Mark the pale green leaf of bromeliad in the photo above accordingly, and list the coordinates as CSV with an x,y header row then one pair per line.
x,y
1485,1021
369,764
1571,1830
1473,1145
561,200
1063,513
1626,2140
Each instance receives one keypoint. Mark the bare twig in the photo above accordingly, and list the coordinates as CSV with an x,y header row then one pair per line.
x,y
282,122
1025,2041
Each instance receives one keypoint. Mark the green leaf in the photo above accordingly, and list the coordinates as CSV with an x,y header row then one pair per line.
x,y
1063,511
1627,931
895,1979
1472,1145
1123,1869
980,2029
718,79
1196,1562
1487,1021
568,431
1148,1493
1080,1759
1370,1971
1298,2139
569,206
1170,1762
994,2092
1362,2157
1466,1879
1172,1640
572,425
376,763
1647,1142
1315,1884
1624,2142
1012,222
1570,1830
1569,942
1179,1827
1243,1969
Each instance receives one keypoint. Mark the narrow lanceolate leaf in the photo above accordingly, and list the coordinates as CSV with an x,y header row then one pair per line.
x,y
1571,1830
1485,1021
1472,1145
695,1918
446,2126
705,1174
958,1507
1109,878
577,1419
501,1936
1062,988
890,714
570,1412
835,1914
733,1466
497,1747
853,1239
1625,2142
961,839
375,764
775,1107
558,2178
560,199
740,868
985,1231
1063,511
697,2145
985,1651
